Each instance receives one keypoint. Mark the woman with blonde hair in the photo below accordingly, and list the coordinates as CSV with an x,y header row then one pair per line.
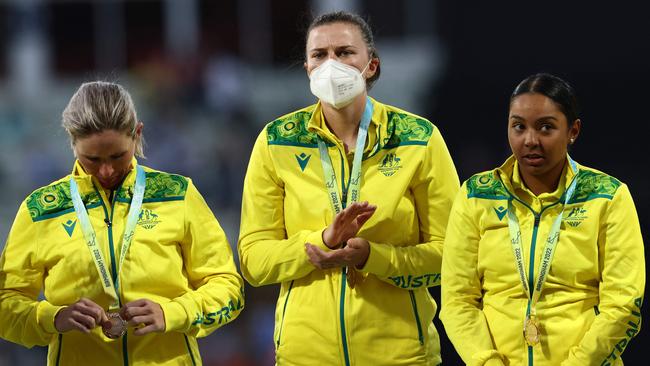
x,y
132,263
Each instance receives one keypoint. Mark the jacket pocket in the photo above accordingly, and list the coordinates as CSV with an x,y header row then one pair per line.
x,y
284,312
414,304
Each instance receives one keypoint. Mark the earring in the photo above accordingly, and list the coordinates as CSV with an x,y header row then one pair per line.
x,y
572,141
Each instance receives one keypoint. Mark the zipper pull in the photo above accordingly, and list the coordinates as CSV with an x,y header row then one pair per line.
x,y
108,222
536,220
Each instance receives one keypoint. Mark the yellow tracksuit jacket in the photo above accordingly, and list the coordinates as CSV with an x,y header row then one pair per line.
x,y
179,258
589,308
387,318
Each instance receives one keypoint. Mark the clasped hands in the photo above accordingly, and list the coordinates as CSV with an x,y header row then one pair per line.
x,y
348,249
84,315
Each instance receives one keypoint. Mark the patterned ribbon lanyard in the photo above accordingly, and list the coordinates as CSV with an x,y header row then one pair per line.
x,y
111,289
531,325
355,177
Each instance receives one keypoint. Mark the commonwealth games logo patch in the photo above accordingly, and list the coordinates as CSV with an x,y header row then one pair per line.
x,y
390,164
148,219
575,217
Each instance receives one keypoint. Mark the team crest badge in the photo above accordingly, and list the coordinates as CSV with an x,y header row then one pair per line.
x,y
148,219
390,164
575,217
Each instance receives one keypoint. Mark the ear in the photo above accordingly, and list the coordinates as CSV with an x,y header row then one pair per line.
x,y
138,129
574,131
304,66
372,67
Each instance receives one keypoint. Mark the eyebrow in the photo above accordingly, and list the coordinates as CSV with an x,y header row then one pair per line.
x,y
514,116
336,48
97,157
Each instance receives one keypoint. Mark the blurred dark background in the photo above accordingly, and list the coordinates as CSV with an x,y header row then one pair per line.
x,y
207,75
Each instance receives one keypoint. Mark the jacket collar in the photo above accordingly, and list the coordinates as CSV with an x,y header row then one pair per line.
x,y
377,130
511,178
87,182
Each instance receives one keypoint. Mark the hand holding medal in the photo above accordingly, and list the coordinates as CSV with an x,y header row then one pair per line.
x,y
115,326
84,315
145,315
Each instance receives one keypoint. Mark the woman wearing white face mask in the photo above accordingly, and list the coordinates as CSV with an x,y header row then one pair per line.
x,y
345,205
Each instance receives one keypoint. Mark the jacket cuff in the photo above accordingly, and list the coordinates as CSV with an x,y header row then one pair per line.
x,y
45,314
378,260
316,238
175,316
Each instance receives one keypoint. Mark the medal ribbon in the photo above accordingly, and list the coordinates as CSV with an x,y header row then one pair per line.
x,y
111,289
355,177
549,247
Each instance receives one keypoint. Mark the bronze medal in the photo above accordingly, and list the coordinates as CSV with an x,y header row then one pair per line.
x,y
115,327
531,331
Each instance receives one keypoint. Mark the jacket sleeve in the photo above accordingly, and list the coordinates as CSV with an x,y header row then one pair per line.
x,y
433,187
217,297
266,254
24,319
462,313
622,268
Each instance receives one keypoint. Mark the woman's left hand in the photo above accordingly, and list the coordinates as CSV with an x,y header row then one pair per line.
x,y
354,254
144,313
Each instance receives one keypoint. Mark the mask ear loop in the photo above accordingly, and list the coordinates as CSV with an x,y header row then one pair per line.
x,y
366,68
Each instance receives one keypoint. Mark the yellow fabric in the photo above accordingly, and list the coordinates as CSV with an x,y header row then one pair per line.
x,y
179,258
408,173
589,308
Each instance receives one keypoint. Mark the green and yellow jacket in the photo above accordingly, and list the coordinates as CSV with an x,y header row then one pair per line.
x,y
179,258
386,319
589,308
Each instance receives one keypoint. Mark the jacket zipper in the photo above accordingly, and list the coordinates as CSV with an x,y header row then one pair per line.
x,y
344,340
414,304
531,267
531,272
532,252
284,310
109,222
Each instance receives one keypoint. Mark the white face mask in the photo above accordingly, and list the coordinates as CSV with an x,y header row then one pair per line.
x,y
336,83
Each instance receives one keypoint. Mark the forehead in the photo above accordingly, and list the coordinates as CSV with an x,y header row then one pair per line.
x,y
534,104
335,34
104,142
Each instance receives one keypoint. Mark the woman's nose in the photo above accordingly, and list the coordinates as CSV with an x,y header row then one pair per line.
x,y
106,170
531,138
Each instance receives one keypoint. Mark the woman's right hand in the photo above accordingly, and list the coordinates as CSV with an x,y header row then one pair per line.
x,y
347,223
83,315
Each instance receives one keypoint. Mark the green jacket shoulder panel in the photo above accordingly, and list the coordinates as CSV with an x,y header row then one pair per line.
x,y
55,200
407,129
486,185
594,184
160,186
292,130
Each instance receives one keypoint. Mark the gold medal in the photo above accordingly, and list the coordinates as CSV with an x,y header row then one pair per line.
x,y
115,327
531,330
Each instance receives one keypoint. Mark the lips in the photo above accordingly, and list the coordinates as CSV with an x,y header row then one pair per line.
x,y
533,159
108,183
